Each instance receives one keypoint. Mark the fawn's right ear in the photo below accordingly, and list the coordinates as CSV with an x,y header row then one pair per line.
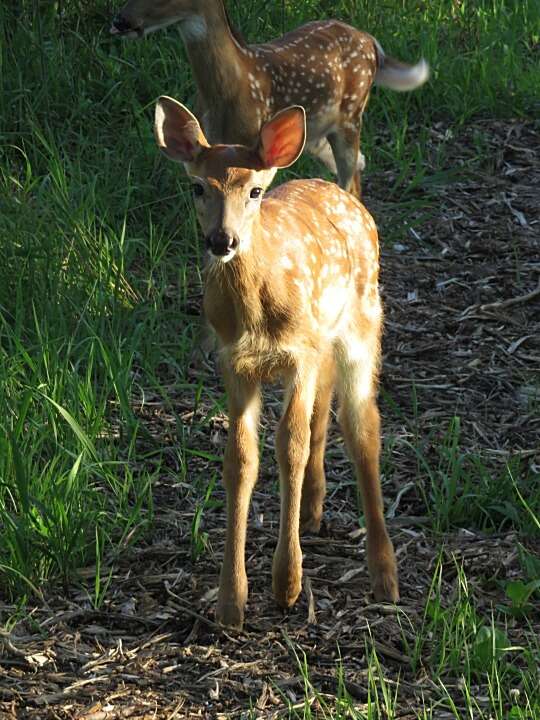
x,y
177,132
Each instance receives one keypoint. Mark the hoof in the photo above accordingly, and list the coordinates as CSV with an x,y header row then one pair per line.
x,y
230,615
383,571
287,577
286,595
385,586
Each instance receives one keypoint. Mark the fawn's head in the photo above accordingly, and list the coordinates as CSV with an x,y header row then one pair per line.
x,y
228,180
140,17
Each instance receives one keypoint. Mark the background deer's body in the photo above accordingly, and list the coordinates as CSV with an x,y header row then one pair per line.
x,y
328,67
292,292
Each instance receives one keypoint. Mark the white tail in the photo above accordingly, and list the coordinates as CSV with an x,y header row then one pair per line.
x,y
327,67
292,292
396,75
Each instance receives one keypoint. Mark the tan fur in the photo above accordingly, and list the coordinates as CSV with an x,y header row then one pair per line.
x,y
297,301
328,67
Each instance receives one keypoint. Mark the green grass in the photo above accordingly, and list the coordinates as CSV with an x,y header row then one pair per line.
x,y
99,257
460,488
474,668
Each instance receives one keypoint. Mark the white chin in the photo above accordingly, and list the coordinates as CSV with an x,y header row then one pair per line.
x,y
151,29
131,35
221,258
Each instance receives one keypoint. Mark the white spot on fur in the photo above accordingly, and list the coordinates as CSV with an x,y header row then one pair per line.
x,y
286,263
333,299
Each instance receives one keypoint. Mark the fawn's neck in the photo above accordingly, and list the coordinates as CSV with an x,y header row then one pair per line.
x,y
217,58
252,283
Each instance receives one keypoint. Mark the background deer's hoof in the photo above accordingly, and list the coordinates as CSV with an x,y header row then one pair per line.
x,y
310,525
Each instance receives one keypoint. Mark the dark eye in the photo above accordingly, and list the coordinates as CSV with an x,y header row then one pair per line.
x,y
197,189
255,193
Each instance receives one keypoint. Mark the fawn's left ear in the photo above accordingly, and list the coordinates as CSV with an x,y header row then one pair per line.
x,y
177,131
282,138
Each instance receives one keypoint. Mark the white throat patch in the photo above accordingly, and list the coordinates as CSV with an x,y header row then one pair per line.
x,y
193,28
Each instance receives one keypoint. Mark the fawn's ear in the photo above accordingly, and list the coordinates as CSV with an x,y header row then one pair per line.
x,y
177,132
282,138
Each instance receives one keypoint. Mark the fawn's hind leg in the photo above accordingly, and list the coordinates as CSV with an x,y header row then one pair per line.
x,y
314,486
360,422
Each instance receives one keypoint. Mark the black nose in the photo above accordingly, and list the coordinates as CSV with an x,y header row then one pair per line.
x,y
221,243
121,24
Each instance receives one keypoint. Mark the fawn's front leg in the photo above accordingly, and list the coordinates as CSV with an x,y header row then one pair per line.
x,y
240,467
292,446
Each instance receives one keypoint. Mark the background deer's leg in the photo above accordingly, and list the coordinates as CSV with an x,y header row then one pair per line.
x,y
360,421
357,179
240,468
361,163
322,150
345,143
314,487
292,446
356,186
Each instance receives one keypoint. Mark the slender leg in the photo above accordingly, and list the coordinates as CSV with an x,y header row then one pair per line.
x,y
323,151
361,162
240,468
360,421
314,487
345,144
292,446
356,188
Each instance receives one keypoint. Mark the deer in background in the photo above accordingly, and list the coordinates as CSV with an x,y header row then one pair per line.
x,y
291,289
328,67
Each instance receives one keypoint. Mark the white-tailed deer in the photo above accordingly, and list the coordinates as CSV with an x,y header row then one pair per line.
x,y
291,290
327,67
